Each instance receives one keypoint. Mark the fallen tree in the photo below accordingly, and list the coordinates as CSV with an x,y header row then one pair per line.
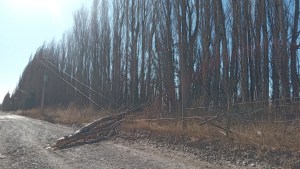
x,y
105,128
101,129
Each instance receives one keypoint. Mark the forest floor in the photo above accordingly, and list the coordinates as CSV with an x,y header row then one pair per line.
x,y
215,150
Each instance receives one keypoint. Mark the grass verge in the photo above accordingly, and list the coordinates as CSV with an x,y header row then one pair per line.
x,y
270,136
265,135
267,140
71,115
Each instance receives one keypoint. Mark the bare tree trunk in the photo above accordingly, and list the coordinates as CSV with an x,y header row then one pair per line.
x,y
244,50
266,76
225,55
150,55
144,21
206,42
169,68
126,66
257,49
182,35
275,51
234,54
293,49
283,51
81,41
135,24
95,44
216,53
117,53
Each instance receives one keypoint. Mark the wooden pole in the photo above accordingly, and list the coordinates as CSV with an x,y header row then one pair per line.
x,y
43,94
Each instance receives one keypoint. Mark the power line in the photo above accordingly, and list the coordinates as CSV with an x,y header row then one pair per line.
x,y
71,85
108,99
190,108
245,103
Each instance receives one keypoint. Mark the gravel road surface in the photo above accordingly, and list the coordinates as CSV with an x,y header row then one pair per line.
x,y
24,142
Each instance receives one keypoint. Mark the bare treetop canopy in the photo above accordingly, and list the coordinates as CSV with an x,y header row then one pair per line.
x,y
176,54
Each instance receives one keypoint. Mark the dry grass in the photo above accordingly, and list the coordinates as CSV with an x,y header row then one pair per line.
x,y
273,136
70,115
270,135
265,135
192,130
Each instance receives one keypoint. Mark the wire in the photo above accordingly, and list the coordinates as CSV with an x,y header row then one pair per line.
x,y
191,108
261,101
71,85
82,83
179,118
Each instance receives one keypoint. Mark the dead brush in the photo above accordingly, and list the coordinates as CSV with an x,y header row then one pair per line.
x,y
69,115
175,127
269,135
33,113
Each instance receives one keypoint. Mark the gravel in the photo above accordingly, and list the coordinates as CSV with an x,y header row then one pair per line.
x,y
24,143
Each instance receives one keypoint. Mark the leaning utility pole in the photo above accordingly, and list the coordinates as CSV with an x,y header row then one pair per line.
x,y
44,84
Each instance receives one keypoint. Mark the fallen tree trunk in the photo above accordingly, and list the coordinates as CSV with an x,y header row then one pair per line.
x,y
101,129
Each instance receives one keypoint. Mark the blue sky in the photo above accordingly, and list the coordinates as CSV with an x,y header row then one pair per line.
x,y
24,26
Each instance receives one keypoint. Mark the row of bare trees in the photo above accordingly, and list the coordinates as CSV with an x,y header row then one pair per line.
x,y
190,52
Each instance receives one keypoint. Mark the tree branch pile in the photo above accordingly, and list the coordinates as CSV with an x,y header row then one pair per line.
x,y
101,129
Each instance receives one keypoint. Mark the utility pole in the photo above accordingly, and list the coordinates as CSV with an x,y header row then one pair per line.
x,y
44,84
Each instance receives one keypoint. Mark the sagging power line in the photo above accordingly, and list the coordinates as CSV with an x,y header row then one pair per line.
x,y
88,87
74,87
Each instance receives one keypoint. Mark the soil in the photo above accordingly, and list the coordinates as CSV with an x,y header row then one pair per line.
x,y
25,143
214,151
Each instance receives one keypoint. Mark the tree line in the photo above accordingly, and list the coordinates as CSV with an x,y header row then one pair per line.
x,y
171,52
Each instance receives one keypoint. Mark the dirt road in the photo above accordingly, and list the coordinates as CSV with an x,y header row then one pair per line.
x,y
24,142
